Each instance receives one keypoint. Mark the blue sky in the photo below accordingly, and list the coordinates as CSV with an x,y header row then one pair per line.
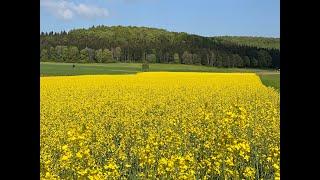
x,y
202,17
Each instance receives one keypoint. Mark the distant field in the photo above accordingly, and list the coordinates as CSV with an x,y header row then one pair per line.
x,y
58,69
268,77
272,80
66,69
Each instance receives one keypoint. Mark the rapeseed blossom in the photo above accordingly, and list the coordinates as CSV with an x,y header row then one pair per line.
x,y
159,126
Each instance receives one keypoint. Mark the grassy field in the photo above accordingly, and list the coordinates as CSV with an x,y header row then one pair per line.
x,y
268,77
272,80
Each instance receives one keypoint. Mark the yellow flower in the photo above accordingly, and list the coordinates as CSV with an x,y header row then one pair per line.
x,y
79,155
159,124
64,158
65,147
246,157
276,166
249,172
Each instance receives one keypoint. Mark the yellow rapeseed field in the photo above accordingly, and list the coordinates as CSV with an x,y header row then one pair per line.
x,y
159,126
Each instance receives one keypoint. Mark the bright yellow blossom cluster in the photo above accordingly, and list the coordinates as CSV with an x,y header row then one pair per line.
x,y
159,126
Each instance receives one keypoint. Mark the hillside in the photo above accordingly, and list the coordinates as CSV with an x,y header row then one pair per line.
x,y
136,44
260,42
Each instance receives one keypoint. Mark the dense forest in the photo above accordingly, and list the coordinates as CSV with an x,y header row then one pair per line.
x,y
262,42
103,44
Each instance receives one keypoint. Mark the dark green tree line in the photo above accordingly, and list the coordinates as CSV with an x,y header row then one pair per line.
x,y
103,44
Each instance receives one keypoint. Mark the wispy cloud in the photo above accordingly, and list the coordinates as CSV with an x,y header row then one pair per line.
x,y
68,10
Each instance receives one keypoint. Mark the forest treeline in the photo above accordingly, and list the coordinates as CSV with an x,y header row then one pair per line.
x,y
103,44
262,42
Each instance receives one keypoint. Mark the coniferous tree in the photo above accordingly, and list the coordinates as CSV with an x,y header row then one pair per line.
x,y
254,62
246,61
264,59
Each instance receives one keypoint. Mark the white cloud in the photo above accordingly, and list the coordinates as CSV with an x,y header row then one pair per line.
x,y
90,11
67,10
65,13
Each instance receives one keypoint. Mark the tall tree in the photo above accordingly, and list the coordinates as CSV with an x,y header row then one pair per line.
x,y
238,62
108,56
196,59
44,55
100,56
117,53
264,59
187,57
84,56
212,59
151,58
73,54
254,62
176,58
58,51
246,61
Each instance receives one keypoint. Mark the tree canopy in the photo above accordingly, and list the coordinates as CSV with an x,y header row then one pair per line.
x,y
103,44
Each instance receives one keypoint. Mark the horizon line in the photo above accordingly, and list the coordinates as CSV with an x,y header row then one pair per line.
x,y
86,28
